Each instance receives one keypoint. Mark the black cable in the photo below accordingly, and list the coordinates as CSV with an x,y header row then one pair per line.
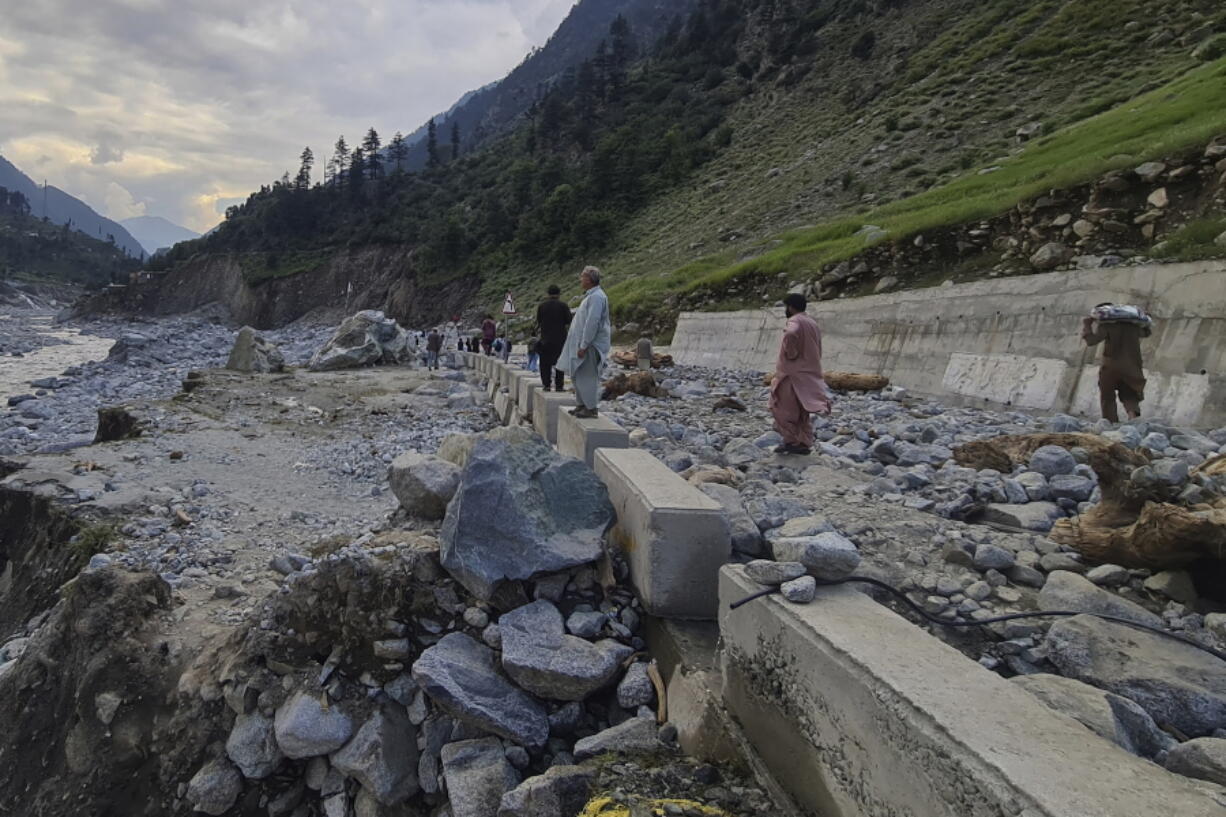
x,y
985,621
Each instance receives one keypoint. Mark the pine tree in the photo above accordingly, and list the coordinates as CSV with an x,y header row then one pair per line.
x,y
397,151
370,149
600,66
455,141
340,162
303,180
357,168
622,40
621,53
432,159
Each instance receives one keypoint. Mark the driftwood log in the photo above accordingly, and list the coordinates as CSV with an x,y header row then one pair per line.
x,y
845,381
643,383
1135,524
629,358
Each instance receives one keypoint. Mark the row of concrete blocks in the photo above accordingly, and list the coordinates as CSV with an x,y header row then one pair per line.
x,y
675,537
852,710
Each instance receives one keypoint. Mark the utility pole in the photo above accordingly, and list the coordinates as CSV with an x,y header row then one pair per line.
x,y
44,199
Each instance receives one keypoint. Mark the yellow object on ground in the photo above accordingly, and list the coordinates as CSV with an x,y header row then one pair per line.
x,y
605,806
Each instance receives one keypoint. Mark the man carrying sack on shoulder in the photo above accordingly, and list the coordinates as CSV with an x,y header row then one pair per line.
x,y
1120,330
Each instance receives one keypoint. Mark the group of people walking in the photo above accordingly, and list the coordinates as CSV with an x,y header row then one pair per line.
x,y
579,344
565,343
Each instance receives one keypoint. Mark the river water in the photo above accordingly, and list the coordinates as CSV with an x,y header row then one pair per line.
x,y
77,348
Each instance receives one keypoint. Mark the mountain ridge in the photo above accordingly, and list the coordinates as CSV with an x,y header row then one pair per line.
x,y
487,112
156,233
62,207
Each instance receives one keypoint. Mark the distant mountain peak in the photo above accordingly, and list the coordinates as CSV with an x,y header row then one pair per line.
x,y
157,233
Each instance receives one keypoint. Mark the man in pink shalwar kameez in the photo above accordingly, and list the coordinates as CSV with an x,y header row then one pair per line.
x,y
798,389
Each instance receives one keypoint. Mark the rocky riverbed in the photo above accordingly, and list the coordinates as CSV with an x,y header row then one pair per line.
x,y
275,613
884,496
133,360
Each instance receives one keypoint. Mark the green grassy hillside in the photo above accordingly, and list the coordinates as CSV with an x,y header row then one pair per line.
x,y
898,140
1185,113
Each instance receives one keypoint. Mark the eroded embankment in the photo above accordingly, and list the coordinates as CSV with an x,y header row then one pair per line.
x,y
336,283
36,554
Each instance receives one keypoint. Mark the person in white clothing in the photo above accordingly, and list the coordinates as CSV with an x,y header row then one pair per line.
x,y
588,344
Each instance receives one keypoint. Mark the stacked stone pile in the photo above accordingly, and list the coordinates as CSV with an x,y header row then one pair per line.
x,y
408,672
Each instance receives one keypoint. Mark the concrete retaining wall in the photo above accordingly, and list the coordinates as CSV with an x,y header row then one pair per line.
x,y
858,713
1008,342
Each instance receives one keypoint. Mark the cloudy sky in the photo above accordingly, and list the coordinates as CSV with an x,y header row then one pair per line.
x,y
180,108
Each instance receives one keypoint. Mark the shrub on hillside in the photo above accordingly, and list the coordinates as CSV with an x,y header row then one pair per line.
x,y
1211,49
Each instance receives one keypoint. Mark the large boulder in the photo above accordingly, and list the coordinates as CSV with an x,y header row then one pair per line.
x,y
382,756
540,657
119,423
252,746
1035,516
559,792
423,484
746,538
1065,590
304,727
1050,256
1106,714
522,509
253,353
1202,758
1177,684
637,736
478,774
462,677
827,555
364,339
215,788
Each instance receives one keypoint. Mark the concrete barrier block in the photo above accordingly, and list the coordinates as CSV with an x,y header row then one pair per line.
x,y
895,721
580,438
545,413
674,536
528,388
519,377
504,407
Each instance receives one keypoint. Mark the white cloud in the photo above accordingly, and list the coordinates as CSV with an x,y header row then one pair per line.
x,y
187,105
120,204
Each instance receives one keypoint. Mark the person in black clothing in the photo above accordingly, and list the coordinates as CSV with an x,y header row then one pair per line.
x,y
552,323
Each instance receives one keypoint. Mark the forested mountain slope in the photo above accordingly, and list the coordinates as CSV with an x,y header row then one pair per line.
x,y
489,112
62,208
35,250
747,148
